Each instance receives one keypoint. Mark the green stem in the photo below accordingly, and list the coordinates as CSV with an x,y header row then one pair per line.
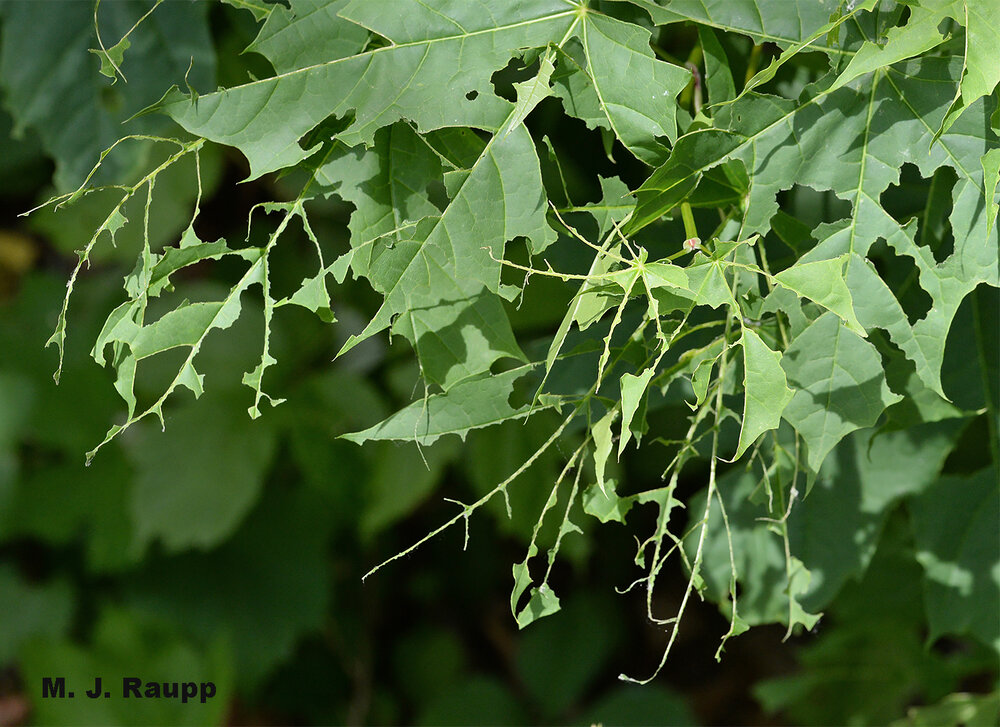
x,y
691,95
689,227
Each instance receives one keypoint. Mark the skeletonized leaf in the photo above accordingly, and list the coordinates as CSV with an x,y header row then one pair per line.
x,y
841,140
771,587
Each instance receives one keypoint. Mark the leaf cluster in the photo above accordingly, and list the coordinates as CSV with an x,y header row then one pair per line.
x,y
782,278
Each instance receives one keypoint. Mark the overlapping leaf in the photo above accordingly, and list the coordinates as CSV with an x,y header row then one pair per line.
x,y
397,98
382,85
766,390
841,385
853,140
922,32
307,33
472,404
441,282
784,24
606,81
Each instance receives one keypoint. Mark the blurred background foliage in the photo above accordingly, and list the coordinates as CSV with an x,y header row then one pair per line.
x,y
232,550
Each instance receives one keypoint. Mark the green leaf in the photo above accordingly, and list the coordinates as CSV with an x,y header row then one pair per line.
x,y
840,382
879,629
823,282
605,505
312,295
991,179
665,275
543,602
707,281
522,579
616,202
981,72
45,66
830,30
235,590
919,35
633,388
383,85
473,404
718,77
388,186
955,525
835,529
877,307
197,480
607,80
601,432
766,390
440,284
783,24
307,33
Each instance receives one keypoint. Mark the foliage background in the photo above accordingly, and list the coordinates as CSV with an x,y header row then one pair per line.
x,y
232,549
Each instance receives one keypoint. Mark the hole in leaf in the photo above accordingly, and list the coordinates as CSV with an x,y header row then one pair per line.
x,y
472,95
811,207
901,274
971,367
326,130
437,194
898,368
930,201
514,72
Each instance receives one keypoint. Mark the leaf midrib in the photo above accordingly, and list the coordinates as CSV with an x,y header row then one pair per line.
x,y
398,46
